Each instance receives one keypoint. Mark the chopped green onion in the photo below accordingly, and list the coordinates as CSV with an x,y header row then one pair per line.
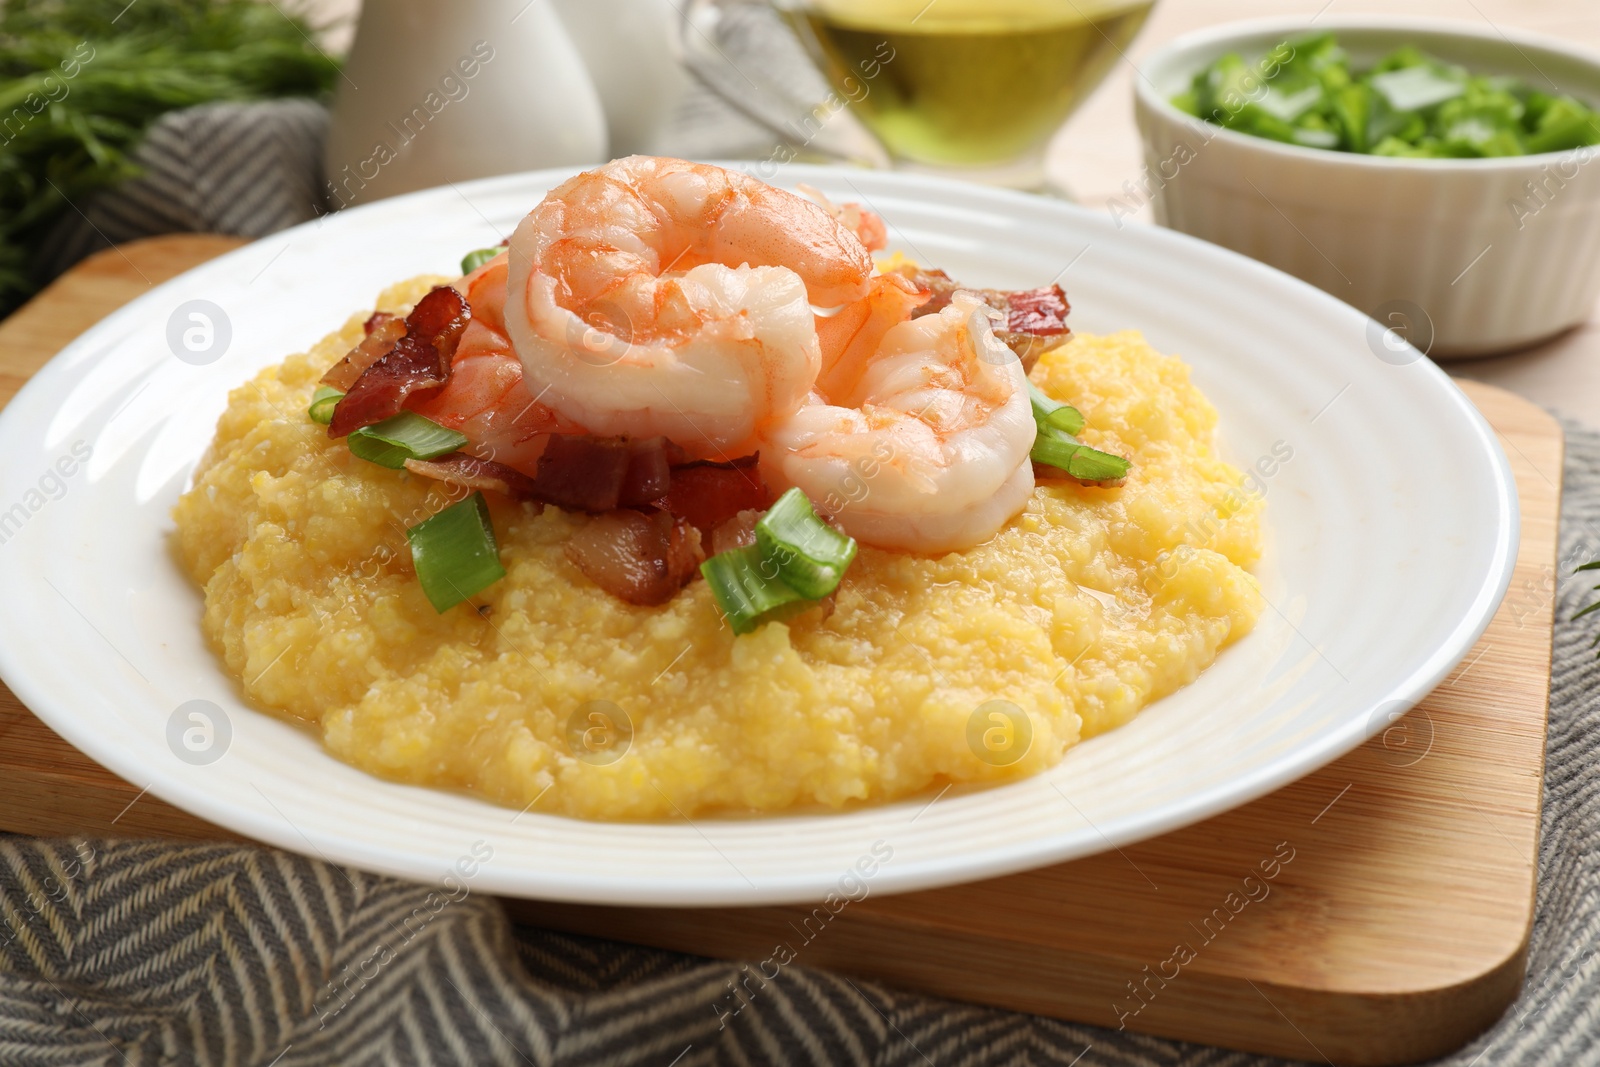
x,y
1408,105
797,560
1055,446
739,579
1052,414
1316,138
807,554
455,553
473,260
1079,460
1092,465
323,401
405,436
1416,88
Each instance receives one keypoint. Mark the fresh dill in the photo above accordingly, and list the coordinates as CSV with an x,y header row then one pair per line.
x,y
81,81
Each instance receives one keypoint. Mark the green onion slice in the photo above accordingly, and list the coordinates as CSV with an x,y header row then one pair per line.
x,y
1416,88
748,589
1052,414
404,436
806,553
1055,445
1079,460
323,401
473,260
455,553
1407,105
797,560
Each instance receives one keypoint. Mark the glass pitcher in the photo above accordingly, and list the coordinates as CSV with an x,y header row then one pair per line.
x,y
975,88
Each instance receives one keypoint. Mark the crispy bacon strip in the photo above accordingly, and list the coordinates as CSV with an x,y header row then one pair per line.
x,y
1036,319
640,557
382,331
708,494
649,473
459,468
418,362
584,473
1038,312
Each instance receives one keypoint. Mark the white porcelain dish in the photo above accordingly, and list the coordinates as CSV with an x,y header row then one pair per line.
x,y
1393,531
1467,257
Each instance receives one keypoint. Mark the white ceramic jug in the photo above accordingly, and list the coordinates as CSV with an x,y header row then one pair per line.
x,y
435,92
631,50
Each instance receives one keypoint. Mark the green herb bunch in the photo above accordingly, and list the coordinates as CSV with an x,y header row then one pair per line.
x,y
82,80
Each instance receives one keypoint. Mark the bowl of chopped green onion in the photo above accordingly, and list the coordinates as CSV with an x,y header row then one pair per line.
x,y
1443,177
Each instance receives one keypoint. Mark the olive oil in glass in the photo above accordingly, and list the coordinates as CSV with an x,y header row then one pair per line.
x,y
966,83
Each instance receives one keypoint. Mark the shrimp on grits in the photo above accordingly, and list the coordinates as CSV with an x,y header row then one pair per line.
x,y
662,297
940,414
682,450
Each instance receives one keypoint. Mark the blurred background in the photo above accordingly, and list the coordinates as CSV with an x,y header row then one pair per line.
x,y
120,120
1098,149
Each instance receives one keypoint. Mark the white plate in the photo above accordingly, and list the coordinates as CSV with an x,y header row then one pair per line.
x,y
1393,532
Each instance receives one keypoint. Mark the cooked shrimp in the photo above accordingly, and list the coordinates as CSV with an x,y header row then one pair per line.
x,y
850,336
656,296
928,450
866,225
486,397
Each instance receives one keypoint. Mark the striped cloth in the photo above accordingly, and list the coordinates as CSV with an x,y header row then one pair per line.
x,y
241,169
144,953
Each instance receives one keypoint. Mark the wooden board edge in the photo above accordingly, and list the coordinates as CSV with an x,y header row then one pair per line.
x,y
69,805
1349,1029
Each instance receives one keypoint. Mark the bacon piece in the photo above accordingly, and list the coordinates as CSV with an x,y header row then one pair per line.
x,y
940,286
1036,319
382,331
1038,312
709,494
419,362
585,473
640,557
582,473
649,473
459,468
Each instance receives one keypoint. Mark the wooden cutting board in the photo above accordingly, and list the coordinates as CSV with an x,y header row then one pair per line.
x,y
1374,912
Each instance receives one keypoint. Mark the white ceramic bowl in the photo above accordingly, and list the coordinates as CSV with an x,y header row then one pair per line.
x,y
1462,257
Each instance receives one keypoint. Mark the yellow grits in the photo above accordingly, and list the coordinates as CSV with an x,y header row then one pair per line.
x,y
1080,612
